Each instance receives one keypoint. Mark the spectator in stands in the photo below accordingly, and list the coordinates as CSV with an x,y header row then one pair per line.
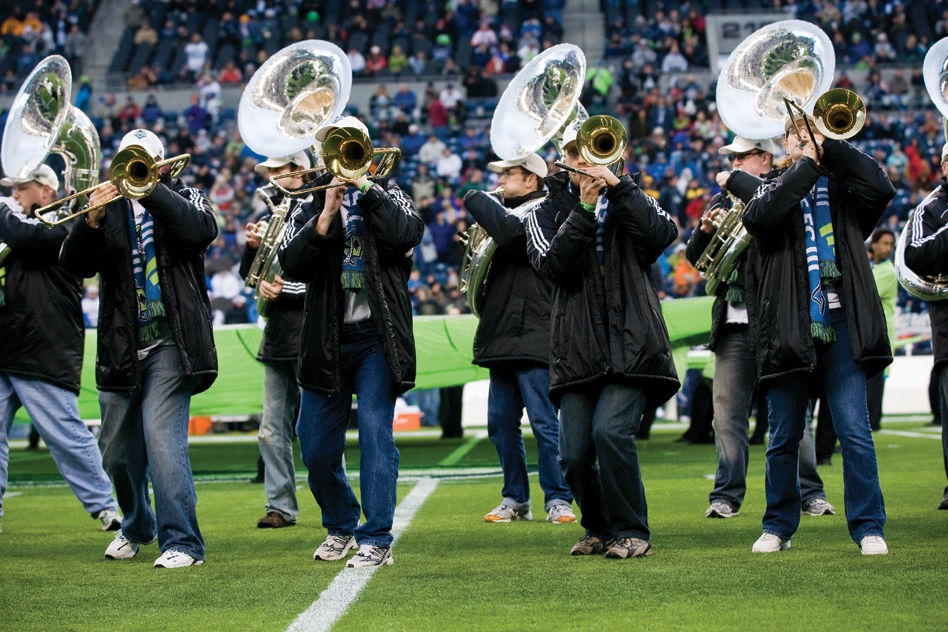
x,y
83,94
477,86
130,113
75,47
423,187
438,116
380,102
144,78
418,62
674,61
397,60
405,99
196,116
195,53
151,112
134,15
431,151
145,35
375,62
451,96
357,61
484,36
230,74
449,166
209,94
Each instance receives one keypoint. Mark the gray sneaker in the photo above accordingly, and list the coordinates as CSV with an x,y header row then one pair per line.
x,y
110,519
590,545
819,507
721,509
370,555
335,547
508,513
560,514
625,548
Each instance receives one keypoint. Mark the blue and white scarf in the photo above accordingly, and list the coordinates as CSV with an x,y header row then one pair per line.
x,y
151,309
601,213
353,262
820,257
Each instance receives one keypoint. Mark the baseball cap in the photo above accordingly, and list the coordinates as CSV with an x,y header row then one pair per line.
x,y
343,121
146,140
43,174
798,120
944,153
742,145
531,162
569,135
299,158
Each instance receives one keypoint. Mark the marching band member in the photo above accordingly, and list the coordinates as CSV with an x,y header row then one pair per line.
x,y
512,341
279,352
610,356
41,333
735,364
820,325
353,250
155,350
927,254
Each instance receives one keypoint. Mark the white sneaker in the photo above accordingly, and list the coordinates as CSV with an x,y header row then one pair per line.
x,y
121,548
176,559
507,513
110,519
560,514
334,547
819,507
873,545
371,555
770,543
720,509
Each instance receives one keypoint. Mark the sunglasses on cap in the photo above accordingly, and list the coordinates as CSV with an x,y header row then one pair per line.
x,y
747,154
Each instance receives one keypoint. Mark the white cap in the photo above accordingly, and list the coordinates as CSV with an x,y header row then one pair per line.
x,y
299,158
569,135
531,162
343,121
146,140
944,153
43,174
742,145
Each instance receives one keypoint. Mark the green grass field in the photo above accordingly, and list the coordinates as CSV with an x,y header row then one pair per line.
x,y
454,572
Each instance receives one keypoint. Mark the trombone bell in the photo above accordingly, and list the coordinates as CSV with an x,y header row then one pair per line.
x,y
601,140
839,114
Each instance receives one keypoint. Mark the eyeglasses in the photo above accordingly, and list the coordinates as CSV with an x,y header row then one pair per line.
x,y
506,173
745,155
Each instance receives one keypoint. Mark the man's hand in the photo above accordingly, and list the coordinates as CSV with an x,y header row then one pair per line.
x,y
722,177
707,220
605,173
253,236
589,189
331,206
270,291
100,196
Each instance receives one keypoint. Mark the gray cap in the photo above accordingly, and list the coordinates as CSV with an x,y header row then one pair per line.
x,y
531,162
742,145
43,174
299,158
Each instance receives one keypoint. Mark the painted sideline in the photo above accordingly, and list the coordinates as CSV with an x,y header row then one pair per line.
x,y
345,588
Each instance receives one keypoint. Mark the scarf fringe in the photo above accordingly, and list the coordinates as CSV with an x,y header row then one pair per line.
x,y
822,332
149,333
352,280
828,270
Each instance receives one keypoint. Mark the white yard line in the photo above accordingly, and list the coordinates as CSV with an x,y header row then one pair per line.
x,y
342,592
921,435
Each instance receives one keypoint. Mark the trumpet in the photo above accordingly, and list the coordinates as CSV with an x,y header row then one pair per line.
x,y
133,172
348,154
601,140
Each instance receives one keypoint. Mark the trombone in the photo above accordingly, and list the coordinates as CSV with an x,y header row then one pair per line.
x,y
348,154
601,140
133,172
838,113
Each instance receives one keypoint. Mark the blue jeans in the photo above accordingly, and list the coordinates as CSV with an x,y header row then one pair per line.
x,y
275,437
147,429
54,412
844,383
511,388
599,424
321,428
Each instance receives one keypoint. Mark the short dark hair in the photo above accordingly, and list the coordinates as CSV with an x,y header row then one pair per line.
x,y
879,232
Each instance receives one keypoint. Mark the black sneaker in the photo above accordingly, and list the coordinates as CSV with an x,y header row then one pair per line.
x,y
624,548
590,545
370,555
944,502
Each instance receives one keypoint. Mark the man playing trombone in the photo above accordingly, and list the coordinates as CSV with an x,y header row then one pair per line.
x,y
352,247
155,350
279,352
512,341
41,331
595,237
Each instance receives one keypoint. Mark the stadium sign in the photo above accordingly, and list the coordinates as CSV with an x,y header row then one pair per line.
x,y
726,31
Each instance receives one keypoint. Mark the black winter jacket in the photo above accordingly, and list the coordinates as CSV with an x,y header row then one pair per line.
x,y
515,312
858,193
41,328
607,326
392,228
741,185
927,254
184,227
281,334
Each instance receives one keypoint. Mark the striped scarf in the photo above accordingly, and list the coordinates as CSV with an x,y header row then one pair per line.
x,y
820,257
353,263
151,309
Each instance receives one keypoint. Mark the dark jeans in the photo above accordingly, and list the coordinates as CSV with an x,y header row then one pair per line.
x,y
512,388
943,401
788,398
321,428
599,424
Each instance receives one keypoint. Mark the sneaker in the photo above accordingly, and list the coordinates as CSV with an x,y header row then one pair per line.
x,y
873,545
590,545
819,507
176,559
560,514
371,555
121,548
770,543
274,520
625,548
507,513
111,520
721,509
335,547
944,502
